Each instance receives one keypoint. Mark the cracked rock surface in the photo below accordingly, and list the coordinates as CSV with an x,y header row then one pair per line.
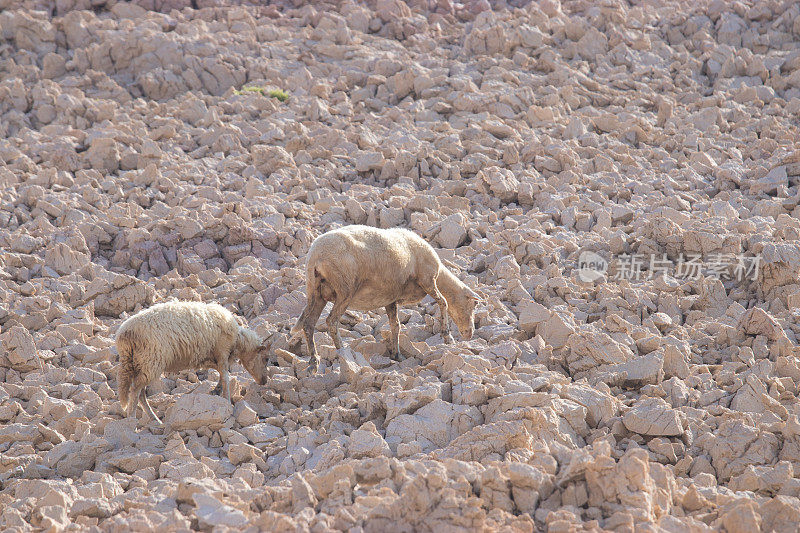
x,y
514,136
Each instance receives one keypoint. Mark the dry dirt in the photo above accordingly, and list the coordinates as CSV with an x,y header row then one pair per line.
x,y
513,139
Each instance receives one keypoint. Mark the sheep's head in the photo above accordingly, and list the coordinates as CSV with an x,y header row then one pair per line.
x,y
463,312
257,360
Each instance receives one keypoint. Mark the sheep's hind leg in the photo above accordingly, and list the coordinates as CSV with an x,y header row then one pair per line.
x,y
147,408
137,388
312,312
394,326
433,291
339,307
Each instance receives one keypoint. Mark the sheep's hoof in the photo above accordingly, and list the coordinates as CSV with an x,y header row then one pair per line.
x,y
448,338
313,365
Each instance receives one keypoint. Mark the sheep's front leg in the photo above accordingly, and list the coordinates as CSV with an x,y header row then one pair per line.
x,y
432,290
394,326
147,408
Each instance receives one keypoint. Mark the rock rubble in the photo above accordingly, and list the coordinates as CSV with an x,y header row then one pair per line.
x,y
137,163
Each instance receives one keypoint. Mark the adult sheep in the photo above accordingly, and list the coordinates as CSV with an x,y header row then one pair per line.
x,y
174,336
364,268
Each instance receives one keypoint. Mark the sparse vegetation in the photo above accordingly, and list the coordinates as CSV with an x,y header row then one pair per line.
x,y
280,94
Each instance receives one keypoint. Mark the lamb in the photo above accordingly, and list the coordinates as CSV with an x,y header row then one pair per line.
x,y
174,336
364,268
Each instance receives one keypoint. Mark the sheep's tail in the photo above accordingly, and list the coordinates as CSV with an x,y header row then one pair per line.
x,y
126,370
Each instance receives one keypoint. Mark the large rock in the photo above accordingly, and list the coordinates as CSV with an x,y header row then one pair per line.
x,y
652,416
453,231
367,442
131,461
390,10
589,348
639,371
756,321
369,161
434,425
531,314
103,154
260,434
408,401
71,459
197,410
592,44
114,294
557,329
501,182
212,513
268,159
20,350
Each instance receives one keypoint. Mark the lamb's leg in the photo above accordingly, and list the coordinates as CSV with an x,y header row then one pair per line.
x,y
147,408
218,388
394,326
312,312
429,286
224,379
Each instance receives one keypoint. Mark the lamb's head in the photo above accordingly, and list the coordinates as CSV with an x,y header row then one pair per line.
x,y
256,355
463,312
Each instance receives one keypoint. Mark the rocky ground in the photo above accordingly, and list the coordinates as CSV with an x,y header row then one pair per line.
x,y
133,169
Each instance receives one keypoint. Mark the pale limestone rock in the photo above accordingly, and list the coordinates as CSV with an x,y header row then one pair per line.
x,y
531,314
592,43
268,159
675,364
652,416
20,350
211,512
433,425
501,182
367,442
557,329
453,231
260,434
103,154
193,411
368,160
